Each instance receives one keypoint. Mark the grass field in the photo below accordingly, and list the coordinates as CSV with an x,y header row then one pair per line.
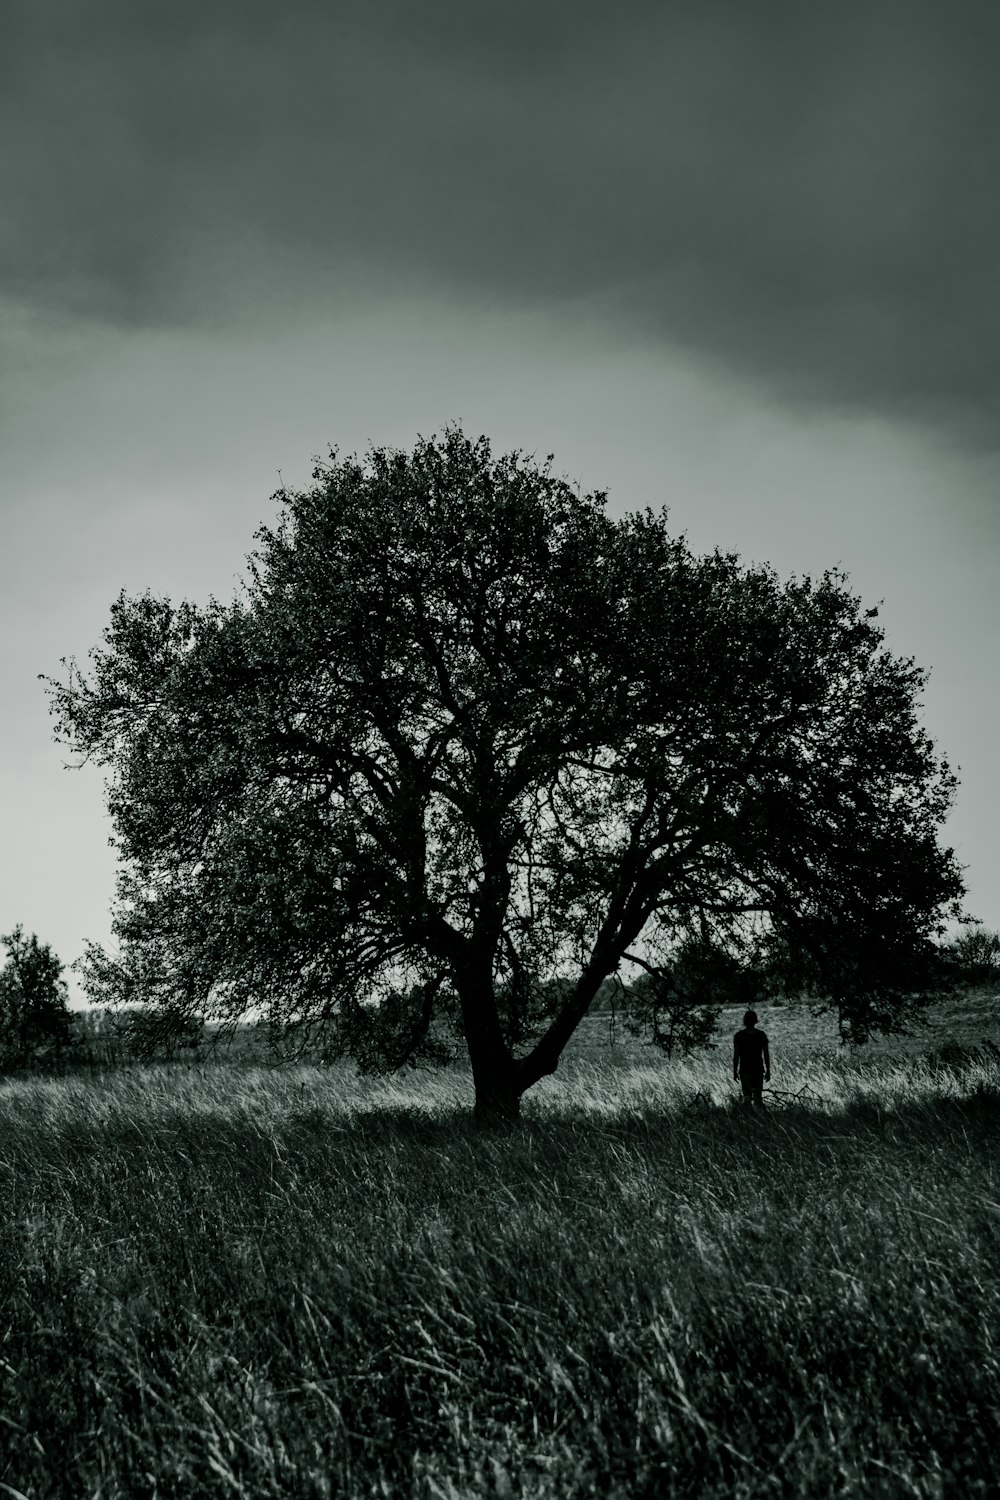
x,y
230,1280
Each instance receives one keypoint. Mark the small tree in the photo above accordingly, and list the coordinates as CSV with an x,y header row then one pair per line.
x,y
676,1004
466,746
35,1020
149,1034
975,957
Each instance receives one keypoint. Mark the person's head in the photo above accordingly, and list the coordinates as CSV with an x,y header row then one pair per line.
x,y
750,1019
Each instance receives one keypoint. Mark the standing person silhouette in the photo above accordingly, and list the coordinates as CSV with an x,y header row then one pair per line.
x,y
751,1060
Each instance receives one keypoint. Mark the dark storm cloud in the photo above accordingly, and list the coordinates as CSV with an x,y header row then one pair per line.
x,y
806,191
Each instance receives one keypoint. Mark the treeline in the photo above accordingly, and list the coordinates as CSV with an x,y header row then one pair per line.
x,y
39,1031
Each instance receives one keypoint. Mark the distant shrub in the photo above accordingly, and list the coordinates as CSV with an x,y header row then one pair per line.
x,y
677,1008
975,957
35,1019
953,1055
148,1035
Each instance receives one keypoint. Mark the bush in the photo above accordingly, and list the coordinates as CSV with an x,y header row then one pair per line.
x,y
952,1055
975,957
35,1018
149,1035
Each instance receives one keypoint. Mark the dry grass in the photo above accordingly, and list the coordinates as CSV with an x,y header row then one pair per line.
x,y
245,1281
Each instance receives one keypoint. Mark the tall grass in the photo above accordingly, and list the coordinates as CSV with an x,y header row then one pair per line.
x,y
228,1282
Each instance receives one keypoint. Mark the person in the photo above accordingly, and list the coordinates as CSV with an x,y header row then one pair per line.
x,y
751,1059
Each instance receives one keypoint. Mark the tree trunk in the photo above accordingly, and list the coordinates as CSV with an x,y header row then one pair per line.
x,y
543,1058
498,1095
494,1072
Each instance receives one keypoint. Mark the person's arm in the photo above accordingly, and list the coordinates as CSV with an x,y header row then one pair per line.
x,y
736,1058
767,1062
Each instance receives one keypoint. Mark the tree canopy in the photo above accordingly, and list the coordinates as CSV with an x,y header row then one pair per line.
x,y
465,744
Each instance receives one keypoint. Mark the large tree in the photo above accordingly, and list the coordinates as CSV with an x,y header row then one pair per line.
x,y
465,745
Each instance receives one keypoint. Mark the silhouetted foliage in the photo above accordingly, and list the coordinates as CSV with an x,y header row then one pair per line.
x,y
35,1020
677,1004
465,746
975,957
151,1035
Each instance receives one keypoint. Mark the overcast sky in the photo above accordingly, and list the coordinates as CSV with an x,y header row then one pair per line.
x,y
743,259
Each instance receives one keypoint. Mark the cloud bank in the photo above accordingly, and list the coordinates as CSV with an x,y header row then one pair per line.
x,y
805,193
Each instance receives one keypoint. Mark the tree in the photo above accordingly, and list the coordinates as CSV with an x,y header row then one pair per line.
x,y
464,745
975,957
677,1006
151,1035
35,1018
